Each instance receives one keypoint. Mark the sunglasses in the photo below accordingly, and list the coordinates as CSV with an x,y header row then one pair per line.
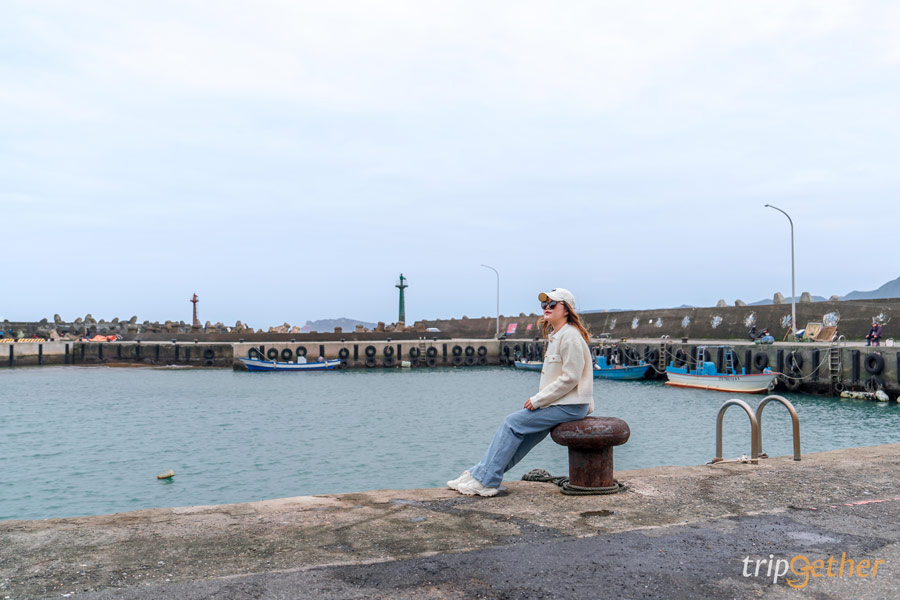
x,y
549,305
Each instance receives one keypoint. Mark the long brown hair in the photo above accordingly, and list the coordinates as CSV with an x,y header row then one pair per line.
x,y
572,318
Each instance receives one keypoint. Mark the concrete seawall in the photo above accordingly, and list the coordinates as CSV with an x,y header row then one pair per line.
x,y
808,367
852,319
678,532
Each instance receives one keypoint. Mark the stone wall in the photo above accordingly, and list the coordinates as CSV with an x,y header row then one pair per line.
x,y
852,318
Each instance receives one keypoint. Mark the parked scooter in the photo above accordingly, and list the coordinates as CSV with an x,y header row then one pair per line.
x,y
756,335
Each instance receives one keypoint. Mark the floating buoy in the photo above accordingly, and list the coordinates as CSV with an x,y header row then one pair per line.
x,y
167,475
857,395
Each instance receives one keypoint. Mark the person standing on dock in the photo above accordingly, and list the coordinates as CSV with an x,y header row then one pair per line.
x,y
566,393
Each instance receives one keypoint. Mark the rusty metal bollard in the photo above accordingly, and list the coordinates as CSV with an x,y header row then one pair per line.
x,y
590,443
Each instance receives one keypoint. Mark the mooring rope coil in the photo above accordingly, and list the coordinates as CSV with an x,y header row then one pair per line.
x,y
571,489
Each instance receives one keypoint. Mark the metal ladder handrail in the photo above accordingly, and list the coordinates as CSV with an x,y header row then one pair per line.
x,y
754,430
795,422
756,427
423,351
729,361
835,364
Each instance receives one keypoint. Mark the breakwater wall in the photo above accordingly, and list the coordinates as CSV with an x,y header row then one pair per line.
x,y
381,353
807,367
26,354
852,318
384,353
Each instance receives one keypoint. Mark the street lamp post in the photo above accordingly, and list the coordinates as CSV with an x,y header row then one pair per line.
x,y
793,291
498,297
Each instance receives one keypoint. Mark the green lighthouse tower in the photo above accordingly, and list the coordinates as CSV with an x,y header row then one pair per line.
x,y
402,285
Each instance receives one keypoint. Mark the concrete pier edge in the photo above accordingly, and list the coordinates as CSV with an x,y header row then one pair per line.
x,y
437,543
820,367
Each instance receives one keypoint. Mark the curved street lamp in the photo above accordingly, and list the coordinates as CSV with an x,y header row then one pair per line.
x,y
793,292
497,335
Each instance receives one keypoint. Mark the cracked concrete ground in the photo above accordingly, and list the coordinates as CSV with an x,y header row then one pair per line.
x,y
677,532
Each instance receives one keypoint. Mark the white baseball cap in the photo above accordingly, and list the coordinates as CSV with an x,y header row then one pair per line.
x,y
560,295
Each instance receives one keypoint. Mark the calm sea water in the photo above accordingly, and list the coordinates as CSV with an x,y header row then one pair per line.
x,y
84,441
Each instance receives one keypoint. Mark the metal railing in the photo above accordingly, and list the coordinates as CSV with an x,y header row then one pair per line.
x,y
795,422
756,428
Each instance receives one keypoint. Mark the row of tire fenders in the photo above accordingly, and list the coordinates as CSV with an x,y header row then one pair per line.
x,y
469,356
873,363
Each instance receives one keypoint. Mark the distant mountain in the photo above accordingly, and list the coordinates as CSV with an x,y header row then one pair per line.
x,y
328,325
889,290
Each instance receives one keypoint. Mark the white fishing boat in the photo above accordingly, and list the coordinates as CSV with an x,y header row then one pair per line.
x,y
707,377
258,364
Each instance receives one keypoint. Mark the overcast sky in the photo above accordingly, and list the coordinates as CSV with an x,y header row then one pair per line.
x,y
288,160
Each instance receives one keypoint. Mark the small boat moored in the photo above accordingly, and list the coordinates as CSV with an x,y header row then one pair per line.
x,y
707,377
604,370
529,365
257,364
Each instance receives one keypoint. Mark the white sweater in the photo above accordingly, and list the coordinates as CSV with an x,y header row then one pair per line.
x,y
568,373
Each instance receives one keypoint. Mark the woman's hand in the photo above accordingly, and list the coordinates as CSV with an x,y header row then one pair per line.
x,y
529,405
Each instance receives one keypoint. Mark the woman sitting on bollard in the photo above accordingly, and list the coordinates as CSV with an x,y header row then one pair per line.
x,y
566,393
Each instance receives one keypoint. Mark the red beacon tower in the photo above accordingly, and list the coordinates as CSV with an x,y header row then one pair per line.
x,y
194,301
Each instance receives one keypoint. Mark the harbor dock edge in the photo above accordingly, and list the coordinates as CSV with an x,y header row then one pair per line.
x,y
677,532
811,367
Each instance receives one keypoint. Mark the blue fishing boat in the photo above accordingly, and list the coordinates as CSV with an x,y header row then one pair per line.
x,y
604,370
529,365
257,364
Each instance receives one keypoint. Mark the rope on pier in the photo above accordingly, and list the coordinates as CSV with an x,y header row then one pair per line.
x,y
571,489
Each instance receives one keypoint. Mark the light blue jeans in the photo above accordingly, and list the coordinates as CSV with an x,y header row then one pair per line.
x,y
519,433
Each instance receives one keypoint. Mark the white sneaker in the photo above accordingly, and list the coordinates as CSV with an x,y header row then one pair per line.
x,y
453,484
472,487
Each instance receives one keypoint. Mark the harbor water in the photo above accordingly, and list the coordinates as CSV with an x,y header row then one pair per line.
x,y
91,440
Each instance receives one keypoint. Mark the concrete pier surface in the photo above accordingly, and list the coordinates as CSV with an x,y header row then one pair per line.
x,y
678,532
